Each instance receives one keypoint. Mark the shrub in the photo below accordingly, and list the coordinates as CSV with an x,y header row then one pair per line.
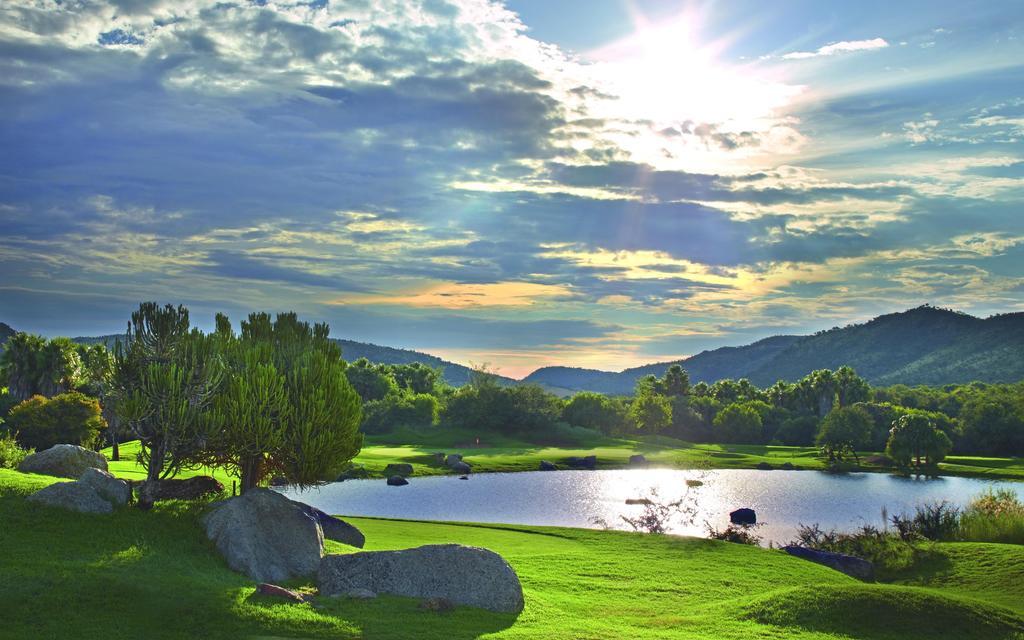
x,y
11,454
994,516
68,418
738,533
933,521
888,551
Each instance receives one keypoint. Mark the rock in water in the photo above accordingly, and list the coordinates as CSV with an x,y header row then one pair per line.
x,y
113,490
461,467
743,517
850,565
63,460
398,469
335,528
75,496
464,575
266,536
397,481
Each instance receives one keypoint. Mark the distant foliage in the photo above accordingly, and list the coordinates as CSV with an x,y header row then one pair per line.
x,y
739,423
68,418
11,453
915,443
843,431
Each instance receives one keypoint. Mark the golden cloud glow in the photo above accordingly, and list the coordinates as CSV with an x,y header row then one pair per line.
x,y
456,295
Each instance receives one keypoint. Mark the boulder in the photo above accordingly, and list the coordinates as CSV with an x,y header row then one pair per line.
x,y
545,465
75,496
637,460
461,467
452,458
764,466
63,460
398,469
850,565
274,591
586,462
152,491
354,472
464,575
788,466
335,528
265,535
397,481
743,517
439,457
113,490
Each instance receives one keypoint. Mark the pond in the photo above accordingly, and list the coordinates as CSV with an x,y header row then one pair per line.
x,y
782,499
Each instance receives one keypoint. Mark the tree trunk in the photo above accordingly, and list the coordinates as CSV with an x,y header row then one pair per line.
x,y
115,453
251,468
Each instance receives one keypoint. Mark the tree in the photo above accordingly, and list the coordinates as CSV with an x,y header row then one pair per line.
x,y
993,426
675,382
371,382
21,365
415,377
286,407
914,437
824,387
98,381
650,412
60,368
843,431
595,411
739,423
67,418
850,388
166,376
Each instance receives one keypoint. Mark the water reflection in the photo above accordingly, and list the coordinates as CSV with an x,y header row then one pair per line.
x,y
782,499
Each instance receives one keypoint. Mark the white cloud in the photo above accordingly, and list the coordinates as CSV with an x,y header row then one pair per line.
x,y
845,46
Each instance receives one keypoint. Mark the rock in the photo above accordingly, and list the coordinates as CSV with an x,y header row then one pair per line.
x,y
63,460
643,501
464,575
398,469
113,490
436,604
637,460
850,565
788,466
461,467
75,496
335,528
354,472
548,466
764,466
587,462
279,481
743,517
397,481
360,594
452,458
265,535
439,457
274,591
463,477
152,491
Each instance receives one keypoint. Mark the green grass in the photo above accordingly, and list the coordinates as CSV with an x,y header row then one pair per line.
x,y
152,574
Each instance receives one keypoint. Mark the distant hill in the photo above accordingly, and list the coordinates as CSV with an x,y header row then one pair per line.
x,y
926,345
5,333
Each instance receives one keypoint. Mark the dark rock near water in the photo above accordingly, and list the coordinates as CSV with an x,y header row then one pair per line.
x,y
63,460
174,489
743,517
438,456
637,460
266,536
274,591
548,466
586,462
850,565
397,481
114,490
788,466
764,466
463,477
335,528
461,467
398,469
74,496
464,575
452,458
354,472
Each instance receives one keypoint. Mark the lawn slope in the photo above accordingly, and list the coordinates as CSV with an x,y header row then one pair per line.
x,y
152,574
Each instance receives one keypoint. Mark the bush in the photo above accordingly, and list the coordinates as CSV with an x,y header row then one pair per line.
x,y
11,454
888,551
68,418
933,521
994,516
737,533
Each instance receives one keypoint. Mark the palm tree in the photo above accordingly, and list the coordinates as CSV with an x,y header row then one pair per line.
x,y
21,364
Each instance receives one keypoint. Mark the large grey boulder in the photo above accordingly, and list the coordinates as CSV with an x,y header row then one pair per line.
x,y
75,496
397,481
266,536
113,490
461,467
452,458
850,565
335,528
465,575
63,460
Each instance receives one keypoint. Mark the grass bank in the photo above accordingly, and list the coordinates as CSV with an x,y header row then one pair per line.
x,y
153,575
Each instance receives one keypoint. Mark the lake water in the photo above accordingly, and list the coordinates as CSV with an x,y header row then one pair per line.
x,y
782,499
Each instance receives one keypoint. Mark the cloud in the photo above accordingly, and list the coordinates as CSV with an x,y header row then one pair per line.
x,y
846,46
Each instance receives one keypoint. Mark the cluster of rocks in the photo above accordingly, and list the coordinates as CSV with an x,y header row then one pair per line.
x,y
93,491
271,538
455,462
585,462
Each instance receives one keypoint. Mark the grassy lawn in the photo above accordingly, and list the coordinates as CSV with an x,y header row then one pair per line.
x,y
152,574
498,453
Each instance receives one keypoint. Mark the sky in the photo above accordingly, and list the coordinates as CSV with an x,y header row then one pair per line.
x,y
595,183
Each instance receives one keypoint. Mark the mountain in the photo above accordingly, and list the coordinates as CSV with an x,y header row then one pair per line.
x,y
926,345
5,333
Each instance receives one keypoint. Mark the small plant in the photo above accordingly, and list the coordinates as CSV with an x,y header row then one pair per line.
x,y
738,533
887,550
932,521
11,454
994,516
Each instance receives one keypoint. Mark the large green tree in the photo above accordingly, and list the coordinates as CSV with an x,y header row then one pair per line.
x,y
843,431
913,439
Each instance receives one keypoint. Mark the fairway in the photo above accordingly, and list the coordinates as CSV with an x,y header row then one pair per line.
x,y
137,574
